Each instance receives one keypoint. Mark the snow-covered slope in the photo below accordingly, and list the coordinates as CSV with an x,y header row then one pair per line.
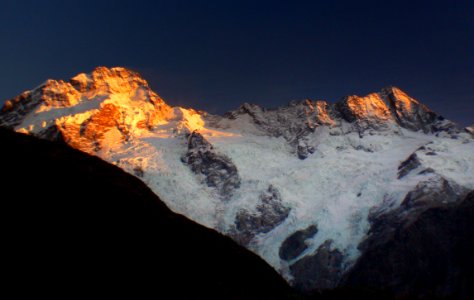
x,y
470,129
294,184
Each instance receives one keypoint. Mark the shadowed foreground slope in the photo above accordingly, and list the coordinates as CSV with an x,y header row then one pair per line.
x,y
75,225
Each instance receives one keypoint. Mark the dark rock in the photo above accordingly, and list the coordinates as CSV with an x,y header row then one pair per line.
x,y
304,151
269,213
138,171
253,110
319,271
217,170
408,112
408,165
427,171
52,133
433,191
345,112
413,251
294,122
444,125
294,245
14,111
429,257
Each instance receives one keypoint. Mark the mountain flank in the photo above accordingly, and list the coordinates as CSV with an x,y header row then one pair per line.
x,y
78,226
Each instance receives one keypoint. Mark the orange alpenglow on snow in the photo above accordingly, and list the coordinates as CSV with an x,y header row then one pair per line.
x,y
103,109
260,175
370,106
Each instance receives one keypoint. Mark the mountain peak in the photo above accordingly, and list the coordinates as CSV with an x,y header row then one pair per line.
x,y
109,79
109,106
409,112
90,110
264,176
388,108
100,84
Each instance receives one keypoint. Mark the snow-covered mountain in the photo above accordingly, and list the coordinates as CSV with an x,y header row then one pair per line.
x,y
304,186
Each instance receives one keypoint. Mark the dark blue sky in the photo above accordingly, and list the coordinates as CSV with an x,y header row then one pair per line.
x,y
215,55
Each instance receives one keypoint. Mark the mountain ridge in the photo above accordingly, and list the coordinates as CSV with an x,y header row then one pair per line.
x,y
390,104
265,177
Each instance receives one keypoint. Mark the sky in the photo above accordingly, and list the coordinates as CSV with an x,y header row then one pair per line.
x,y
216,55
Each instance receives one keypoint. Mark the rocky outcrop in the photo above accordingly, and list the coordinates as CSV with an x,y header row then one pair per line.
x,y
269,213
319,271
433,192
14,111
408,165
325,268
294,245
215,169
408,112
385,111
52,133
470,129
408,250
391,108
369,112
294,122
429,257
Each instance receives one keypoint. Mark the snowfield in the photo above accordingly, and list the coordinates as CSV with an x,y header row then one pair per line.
x,y
306,164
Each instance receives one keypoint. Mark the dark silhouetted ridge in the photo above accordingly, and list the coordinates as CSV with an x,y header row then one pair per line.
x,y
75,225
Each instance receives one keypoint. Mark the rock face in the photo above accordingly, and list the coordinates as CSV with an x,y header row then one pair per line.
x,y
408,165
409,235
369,112
430,257
319,271
294,245
362,169
433,192
16,109
294,122
408,112
470,129
269,213
107,105
387,110
411,251
216,170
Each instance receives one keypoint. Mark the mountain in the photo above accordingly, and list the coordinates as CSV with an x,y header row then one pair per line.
x,y
428,255
76,226
313,188
470,129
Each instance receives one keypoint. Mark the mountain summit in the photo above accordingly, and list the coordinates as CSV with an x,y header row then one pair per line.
x,y
96,110
311,187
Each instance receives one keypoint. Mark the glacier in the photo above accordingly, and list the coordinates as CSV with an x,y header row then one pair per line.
x,y
306,164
